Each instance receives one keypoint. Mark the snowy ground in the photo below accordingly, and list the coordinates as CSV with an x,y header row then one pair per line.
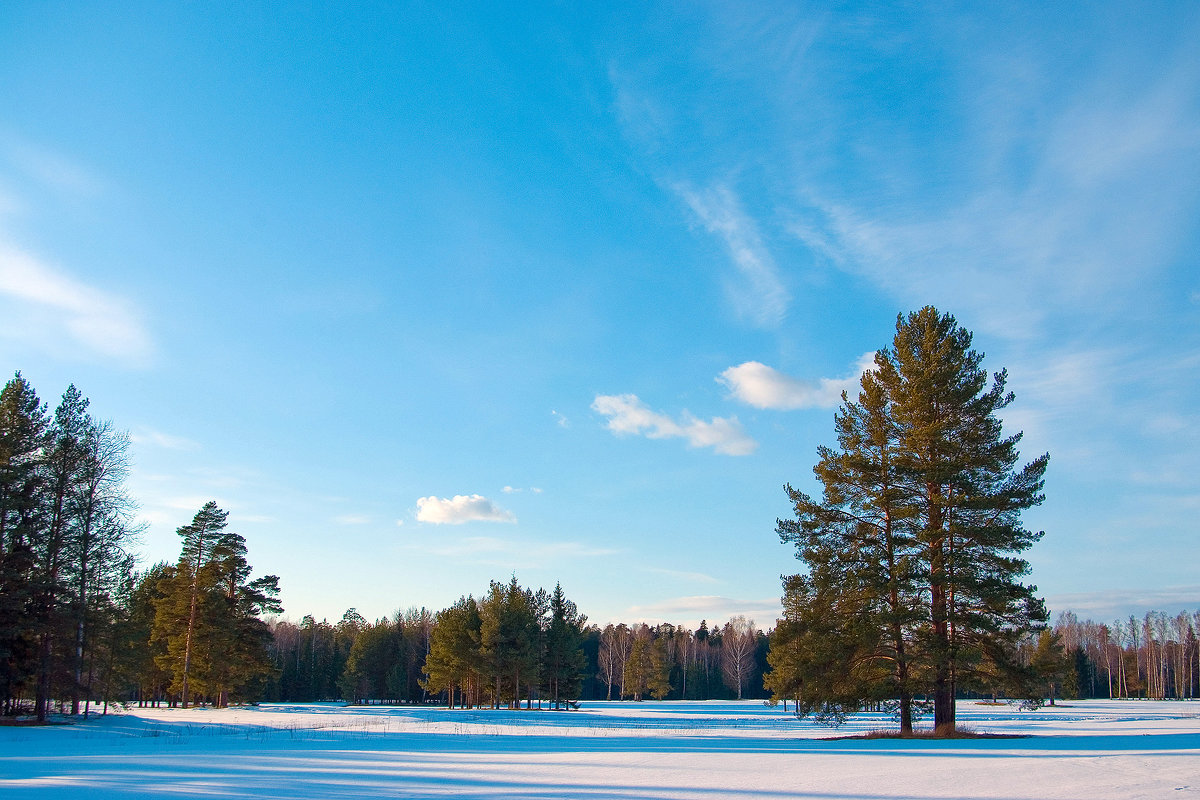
x,y
1083,750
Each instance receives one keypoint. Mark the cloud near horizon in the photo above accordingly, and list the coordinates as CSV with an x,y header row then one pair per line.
x,y
758,385
629,415
715,609
459,509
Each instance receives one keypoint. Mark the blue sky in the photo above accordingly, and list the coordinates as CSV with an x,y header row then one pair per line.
x,y
426,295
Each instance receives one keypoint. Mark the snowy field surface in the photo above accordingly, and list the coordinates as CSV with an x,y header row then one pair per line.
x,y
1083,750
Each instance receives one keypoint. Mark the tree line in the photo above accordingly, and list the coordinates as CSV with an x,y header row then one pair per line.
x,y
1156,657
512,647
66,524
78,621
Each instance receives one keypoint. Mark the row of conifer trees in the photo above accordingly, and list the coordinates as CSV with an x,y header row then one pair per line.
x,y
66,522
78,622
512,645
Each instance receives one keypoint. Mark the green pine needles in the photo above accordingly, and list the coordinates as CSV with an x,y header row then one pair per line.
x,y
913,587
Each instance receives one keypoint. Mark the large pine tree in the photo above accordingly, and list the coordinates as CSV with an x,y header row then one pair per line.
x,y
207,615
913,551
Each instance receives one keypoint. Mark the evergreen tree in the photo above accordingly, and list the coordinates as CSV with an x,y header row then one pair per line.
x,y
454,661
562,673
658,681
914,547
858,546
635,682
1051,663
967,497
208,615
139,654
23,426
369,672
65,454
509,640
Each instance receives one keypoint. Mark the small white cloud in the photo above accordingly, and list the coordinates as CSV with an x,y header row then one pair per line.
x,y
535,489
562,421
459,509
352,519
509,490
756,384
45,307
399,523
629,415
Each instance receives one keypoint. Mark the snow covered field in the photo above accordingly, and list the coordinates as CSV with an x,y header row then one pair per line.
x,y
1084,750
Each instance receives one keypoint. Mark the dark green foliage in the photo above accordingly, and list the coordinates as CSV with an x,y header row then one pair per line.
x,y
208,615
563,659
1052,665
913,583
64,523
454,662
510,641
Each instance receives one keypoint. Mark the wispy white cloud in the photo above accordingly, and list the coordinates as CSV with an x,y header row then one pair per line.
x,y
1114,604
761,386
1072,194
645,120
46,308
694,577
459,509
760,294
715,609
562,421
629,415
149,436
501,550
519,490
50,168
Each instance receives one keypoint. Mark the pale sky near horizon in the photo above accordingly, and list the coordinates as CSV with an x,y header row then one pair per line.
x,y
430,294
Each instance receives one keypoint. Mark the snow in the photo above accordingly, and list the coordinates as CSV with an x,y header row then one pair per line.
x,y
1082,749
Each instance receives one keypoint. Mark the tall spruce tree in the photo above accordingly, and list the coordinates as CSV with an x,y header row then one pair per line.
x,y
914,549
510,634
23,425
564,662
